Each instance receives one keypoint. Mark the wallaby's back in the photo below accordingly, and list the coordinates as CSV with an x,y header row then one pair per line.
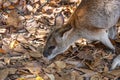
x,y
97,13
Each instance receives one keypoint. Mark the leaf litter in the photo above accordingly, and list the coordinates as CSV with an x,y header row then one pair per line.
x,y
24,26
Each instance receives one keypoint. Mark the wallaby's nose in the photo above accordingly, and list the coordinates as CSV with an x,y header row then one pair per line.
x,y
45,54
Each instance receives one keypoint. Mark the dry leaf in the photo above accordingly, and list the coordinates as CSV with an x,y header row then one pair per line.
x,y
1,1
42,1
6,48
2,64
21,79
11,7
14,1
74,1
33,67
51,76
3,74
53,3
12,70
13,44
35,54
106,68
39,78
7,60
21,39
96,77
42,31
2,30
117,40
80,78
6,4
73,75
51,65
60,64
29,7
88,73
75,63
13,19
115,73
33,1
2,51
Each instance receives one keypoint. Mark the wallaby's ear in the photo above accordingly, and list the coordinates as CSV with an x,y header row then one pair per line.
x,y
65,31
59,20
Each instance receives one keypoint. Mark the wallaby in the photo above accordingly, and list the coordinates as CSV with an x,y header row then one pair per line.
x,y
92,20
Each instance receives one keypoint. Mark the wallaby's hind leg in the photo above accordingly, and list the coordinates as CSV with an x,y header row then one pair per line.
x,y
105,40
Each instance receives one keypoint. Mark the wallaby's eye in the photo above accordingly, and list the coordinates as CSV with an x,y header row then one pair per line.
x,y
51,47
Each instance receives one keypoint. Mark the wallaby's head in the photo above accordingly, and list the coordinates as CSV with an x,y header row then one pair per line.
x,y
57,41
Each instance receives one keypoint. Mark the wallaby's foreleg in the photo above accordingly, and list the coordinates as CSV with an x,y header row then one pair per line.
x,y
105,40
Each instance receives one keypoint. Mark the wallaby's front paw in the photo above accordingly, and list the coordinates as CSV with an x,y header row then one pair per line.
x,y
110,51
